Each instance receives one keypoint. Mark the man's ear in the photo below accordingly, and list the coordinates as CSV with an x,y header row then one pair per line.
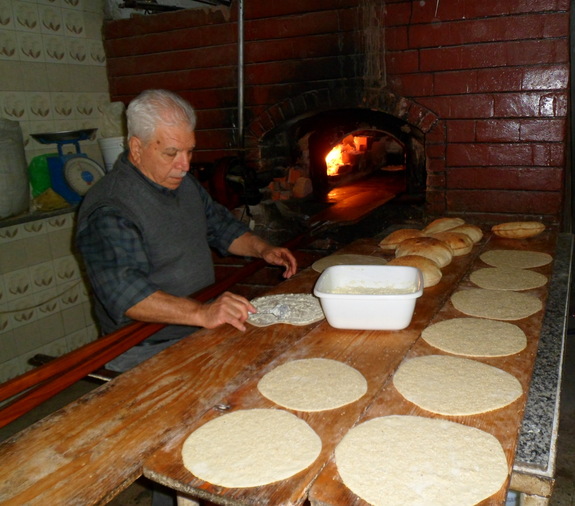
x,y
135,146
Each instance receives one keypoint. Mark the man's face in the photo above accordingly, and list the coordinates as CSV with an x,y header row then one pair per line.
x,y
165,159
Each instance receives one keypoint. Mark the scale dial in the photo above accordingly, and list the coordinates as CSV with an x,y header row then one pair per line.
x,y
81,173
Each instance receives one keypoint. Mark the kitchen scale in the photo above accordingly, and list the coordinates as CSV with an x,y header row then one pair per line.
x,y
71,174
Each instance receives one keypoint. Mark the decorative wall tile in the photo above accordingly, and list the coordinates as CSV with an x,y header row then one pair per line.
x,y
60,222
26,16
14,106
53,3
5,323
8,45
43,276
18,284
63,104
66,270
6,15
97,53
73,23
31,47
22,312
55,48
51,19
39,106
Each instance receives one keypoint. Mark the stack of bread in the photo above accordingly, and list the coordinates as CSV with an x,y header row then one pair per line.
x,y
432,248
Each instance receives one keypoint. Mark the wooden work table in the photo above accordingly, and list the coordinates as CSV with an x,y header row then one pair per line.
x,y
136,424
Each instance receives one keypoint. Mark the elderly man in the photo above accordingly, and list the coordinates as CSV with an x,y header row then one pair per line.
x,y
146,228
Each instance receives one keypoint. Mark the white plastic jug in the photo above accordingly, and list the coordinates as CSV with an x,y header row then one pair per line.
x,y
14,187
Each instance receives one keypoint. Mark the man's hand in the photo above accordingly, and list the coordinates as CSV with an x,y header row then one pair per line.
x,y
281,256
227,308
251,245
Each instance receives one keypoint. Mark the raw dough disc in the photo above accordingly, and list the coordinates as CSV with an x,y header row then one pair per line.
x,y
496,304
507,278
455,386
476,337
420,461
515,258
313,384
304,309
346,259
249,448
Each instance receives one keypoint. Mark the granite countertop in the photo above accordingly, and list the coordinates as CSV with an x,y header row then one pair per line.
x,y
536,449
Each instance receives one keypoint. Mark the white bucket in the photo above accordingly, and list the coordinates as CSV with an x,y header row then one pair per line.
x,y
111,148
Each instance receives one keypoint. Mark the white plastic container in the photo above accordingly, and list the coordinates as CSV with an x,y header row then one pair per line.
x,y
369,297
111,148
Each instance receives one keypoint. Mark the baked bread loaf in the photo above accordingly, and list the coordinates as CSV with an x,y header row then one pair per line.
x,y
460,244
442,224
518,229
431,273
473,231
390,242
428,247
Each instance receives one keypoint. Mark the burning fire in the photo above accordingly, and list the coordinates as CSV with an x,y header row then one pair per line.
x,y
342,154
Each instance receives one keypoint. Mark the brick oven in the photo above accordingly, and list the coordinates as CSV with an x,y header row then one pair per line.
x,y
475,93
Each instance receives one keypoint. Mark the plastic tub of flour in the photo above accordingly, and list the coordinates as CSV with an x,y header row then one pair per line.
x,y
370,297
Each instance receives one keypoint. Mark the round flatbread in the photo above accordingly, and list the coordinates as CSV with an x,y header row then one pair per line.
x,y
516,259
346,259
476,337
313,384
250,448
507,278
472,231
414,460
289,308
442,224
455,386
496,304
460,243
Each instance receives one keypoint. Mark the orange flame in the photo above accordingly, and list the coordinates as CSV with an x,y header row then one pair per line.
x,y
340,154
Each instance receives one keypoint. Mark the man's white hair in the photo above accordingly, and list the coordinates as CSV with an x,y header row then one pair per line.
x,y
154,107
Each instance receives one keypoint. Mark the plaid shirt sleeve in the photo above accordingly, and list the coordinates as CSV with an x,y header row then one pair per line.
x,y
115,262
223,228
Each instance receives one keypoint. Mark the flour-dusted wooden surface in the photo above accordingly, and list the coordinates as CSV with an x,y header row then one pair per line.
x,y
98,445
376,354
503,423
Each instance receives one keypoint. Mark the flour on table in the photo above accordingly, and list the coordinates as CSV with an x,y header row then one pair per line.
x,y
313,384
455,386
516,258
507,278
420,461
346,259
302,309
250,448
496,304
476,337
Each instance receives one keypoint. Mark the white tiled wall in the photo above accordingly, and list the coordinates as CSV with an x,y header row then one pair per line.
x,y
53,68
44,303
52,78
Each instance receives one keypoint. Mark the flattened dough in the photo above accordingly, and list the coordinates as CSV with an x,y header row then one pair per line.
x,y
507,278
249,448
420,461
346,259
303,309
496,304
515,258
313,384
455,386
476,337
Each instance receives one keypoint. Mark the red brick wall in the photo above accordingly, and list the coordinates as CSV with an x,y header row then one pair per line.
x,y
493,75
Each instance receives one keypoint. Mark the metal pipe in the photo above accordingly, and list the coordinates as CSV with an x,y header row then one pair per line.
x,y
240,75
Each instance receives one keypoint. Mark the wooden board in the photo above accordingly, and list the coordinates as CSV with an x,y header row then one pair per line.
x,y
376,354
503,423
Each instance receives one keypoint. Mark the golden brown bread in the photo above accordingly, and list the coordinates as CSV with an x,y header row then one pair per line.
x,y
473,231
518,229
390,242
431,272
428,247
442,224
461,244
